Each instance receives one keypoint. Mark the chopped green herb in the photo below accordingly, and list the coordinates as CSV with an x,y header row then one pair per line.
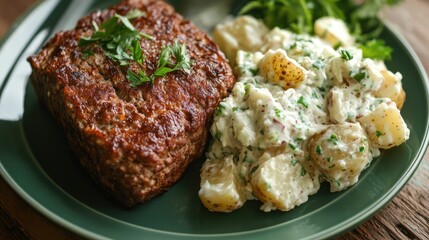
x,y
218,136
329,159
254,71
294,162
334,139
246,88
219,110
346,55
303,101
235,109
254,169
378,133
293,147
87,52
319,150
318,64
278,113
337,182
338,45
303,172
314,94
359,76
361,149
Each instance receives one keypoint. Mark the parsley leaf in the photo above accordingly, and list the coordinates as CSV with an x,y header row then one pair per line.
x,y
121,42
118,38
359,75
376,49
302,101
346,55
166,65
138,79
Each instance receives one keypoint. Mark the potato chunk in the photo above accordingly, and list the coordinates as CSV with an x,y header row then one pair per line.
x,y
279,69
333,31
391,88
385,126
221,189
340,152
244,33
281,182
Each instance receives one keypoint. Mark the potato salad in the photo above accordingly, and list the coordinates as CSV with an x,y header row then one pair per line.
x,y
305,109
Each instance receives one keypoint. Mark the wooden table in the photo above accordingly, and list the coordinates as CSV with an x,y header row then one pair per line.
x,y
405,217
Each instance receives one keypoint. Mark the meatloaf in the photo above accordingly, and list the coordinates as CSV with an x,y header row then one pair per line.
x,y
134,141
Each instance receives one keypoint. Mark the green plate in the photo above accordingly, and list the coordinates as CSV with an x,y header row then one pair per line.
x,y
35,159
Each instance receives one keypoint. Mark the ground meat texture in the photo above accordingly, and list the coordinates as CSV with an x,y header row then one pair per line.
x,y
135,142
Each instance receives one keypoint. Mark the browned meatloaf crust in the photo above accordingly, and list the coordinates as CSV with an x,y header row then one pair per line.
x,y
134,141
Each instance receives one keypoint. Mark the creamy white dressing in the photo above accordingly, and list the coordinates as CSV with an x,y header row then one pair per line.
x,y
262,117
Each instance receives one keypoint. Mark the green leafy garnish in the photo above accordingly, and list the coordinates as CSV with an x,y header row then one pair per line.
x,y
118,38
303,172
378,133
137,79
359,75
299,16
278,113
303,101
376,49
219,110
296,15
294,162
319,150
333,139
121,42
318,64
346,55
165,63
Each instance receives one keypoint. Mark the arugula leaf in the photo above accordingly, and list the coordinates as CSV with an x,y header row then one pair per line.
x,y
296,15
376,49
299,16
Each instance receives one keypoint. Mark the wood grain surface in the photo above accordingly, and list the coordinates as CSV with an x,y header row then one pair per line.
x,y
405,217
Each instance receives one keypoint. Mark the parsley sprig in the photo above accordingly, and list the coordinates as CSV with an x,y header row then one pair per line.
x,y
118,38
165,64
121,42
299,16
